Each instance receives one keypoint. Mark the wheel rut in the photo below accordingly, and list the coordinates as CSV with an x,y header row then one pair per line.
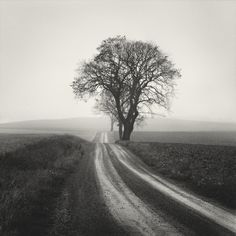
x,y
138,214
129,210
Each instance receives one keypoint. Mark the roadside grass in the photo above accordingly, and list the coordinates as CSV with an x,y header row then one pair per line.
x,y
32,183
11,142
206,169
82,207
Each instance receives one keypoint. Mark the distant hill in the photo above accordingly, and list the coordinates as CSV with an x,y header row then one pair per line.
x,y
70,124
102,123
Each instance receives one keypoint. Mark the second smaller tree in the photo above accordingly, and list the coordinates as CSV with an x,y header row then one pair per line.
x,y
107,105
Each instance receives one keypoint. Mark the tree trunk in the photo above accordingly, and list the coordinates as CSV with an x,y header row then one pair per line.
x,y
128,129
112,125
120,130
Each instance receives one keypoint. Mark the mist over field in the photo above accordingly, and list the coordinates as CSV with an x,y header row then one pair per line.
x,y
102,123
152,130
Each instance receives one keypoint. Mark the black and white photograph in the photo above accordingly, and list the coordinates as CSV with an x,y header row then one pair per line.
x,y
117,117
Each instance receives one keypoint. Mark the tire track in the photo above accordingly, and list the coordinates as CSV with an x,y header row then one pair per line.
x,y
136,216
207,210
130,211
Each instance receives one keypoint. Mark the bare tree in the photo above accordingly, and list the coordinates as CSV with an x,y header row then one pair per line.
x,y
106,105
136,74
99,107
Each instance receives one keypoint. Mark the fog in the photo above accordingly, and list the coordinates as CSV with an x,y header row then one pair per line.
x,y
42,42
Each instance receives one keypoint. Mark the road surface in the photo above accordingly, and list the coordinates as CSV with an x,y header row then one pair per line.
x,y
146,204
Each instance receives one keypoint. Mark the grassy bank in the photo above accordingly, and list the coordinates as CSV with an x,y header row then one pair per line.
x,y
32,181
206,169
11,142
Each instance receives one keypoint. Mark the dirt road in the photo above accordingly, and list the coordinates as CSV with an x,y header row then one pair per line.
x,y
146,204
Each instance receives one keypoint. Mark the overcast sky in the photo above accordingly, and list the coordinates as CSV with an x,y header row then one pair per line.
x,y
41,43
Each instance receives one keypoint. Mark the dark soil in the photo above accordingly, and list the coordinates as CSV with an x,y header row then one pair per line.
x,y
208,170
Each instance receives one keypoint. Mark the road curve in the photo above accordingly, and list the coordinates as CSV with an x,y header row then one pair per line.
x,y
124,205
133,213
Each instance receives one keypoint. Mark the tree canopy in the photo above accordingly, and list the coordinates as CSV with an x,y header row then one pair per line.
x,y
135,74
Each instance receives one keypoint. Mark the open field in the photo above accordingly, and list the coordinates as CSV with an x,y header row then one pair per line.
x,y
206,169
211,138
49,183
32,178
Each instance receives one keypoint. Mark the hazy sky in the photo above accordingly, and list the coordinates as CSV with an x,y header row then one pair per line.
x,y
41,43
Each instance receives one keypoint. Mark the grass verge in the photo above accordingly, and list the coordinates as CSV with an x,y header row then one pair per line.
x,y
32,179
